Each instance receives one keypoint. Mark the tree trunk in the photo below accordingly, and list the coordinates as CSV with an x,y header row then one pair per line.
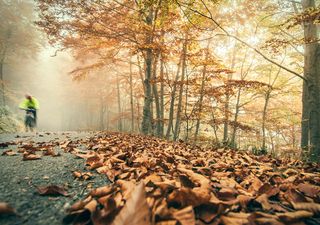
x,y
172,100
186,137
119,106
264,118
234,132
204,72
131,99
183,72
311,101
138,115
156,98
161,98
2,82
226,105
146,119
102,114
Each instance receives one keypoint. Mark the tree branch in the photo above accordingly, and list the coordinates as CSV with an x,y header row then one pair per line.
x,y
240,40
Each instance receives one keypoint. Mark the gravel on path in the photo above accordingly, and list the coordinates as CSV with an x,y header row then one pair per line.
x,y
19,179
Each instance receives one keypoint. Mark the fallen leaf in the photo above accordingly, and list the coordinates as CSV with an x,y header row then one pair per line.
x,y
6,209
82,175
9,153
30,157
185,216
308,206
235,219
136,203
52,190
102,191
289,217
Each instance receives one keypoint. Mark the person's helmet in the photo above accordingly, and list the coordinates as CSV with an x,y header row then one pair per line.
x,y
28,96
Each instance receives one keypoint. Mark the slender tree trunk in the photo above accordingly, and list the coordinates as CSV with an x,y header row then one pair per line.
x,y
226,120
305,118
311,87
226,105
138,115
119,106
264,118
234,132
156,98
2,82
214,127
131,99
186,108
172,100
161,98
102,114
183,72
237,107
146,119
141,73
107,118
204,72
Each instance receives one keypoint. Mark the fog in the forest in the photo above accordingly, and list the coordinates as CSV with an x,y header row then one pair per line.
x,y
44,78
65,103
192,84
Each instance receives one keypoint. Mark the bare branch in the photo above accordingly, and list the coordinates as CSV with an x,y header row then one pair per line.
x,y
241,41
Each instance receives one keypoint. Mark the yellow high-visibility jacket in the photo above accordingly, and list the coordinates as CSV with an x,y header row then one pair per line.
x,y
29,104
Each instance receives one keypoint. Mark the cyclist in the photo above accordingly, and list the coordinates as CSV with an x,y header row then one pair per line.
x,y
30,104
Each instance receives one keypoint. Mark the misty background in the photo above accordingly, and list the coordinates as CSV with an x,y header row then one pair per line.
x,y
222,94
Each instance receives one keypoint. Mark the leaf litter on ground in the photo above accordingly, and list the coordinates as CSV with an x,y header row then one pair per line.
x,y
155,181
160,182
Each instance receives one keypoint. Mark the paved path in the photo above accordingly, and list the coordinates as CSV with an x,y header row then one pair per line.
x,y
18,180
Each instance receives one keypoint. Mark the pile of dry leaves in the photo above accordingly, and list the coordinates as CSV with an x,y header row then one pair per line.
x,y
167,183
154,181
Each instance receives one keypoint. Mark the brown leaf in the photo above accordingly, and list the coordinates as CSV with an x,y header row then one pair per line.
x,y
52,190
227,194
208,212
235,219
82,216
50,151
187,196
9,153
312,207
264,201
93,159
195,177
268,189
289,217
65,144
136,210
101,191
260,218
31,157
6,209
126,187
102,169
309,189
153,178
79,204
82,175
185,216
106,214
294,196
167,222
256,185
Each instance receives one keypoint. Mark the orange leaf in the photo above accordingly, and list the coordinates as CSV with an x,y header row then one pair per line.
x,y
6,209
185,216
52,190
136,210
